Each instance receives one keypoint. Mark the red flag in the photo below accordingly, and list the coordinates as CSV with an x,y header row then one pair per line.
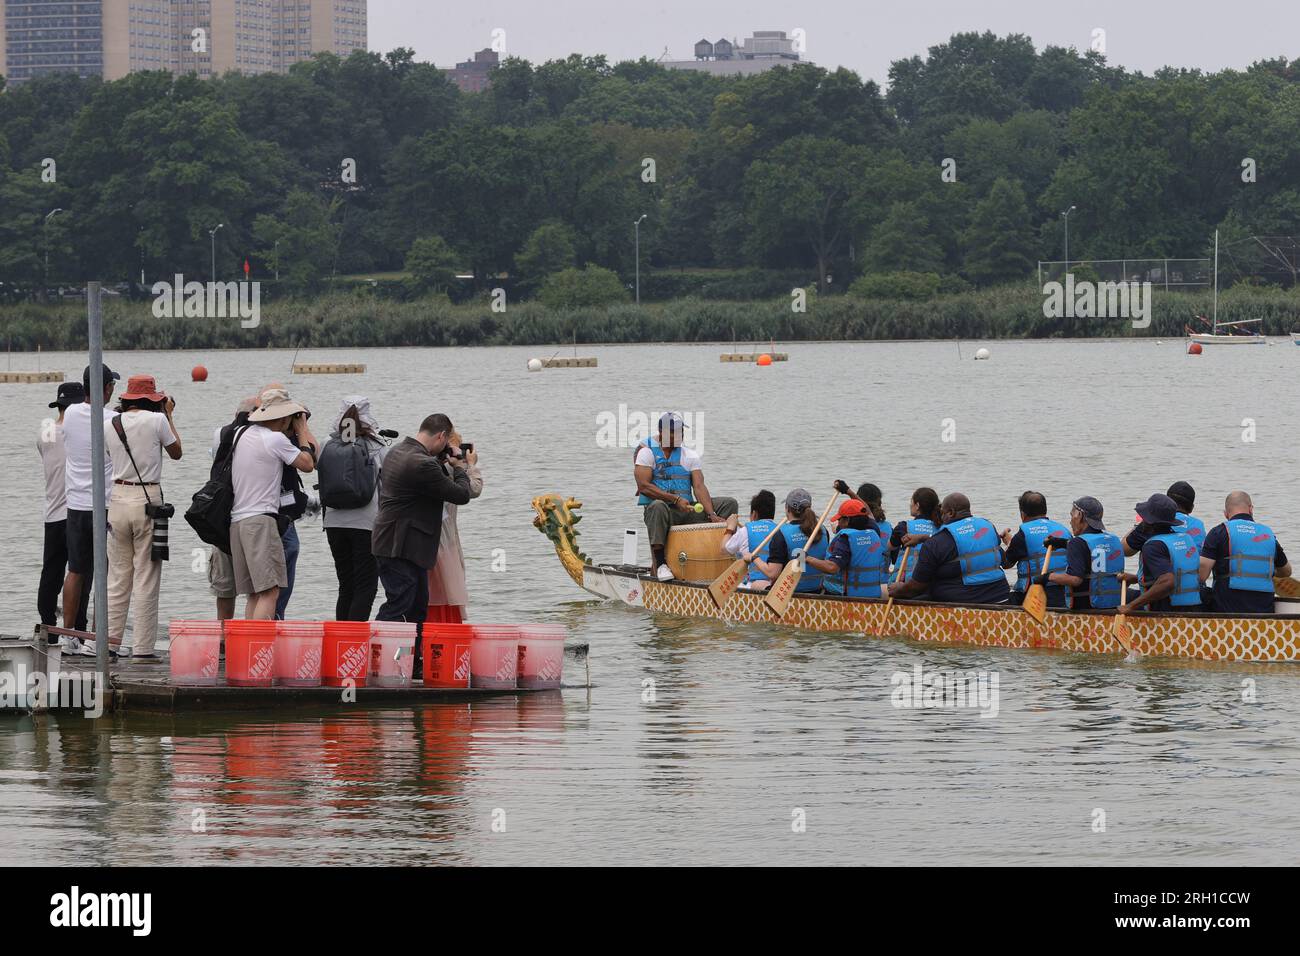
x,y
246,268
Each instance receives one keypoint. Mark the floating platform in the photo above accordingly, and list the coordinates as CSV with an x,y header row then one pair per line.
x,y
31,377
147,686
574,362
753,356
328,368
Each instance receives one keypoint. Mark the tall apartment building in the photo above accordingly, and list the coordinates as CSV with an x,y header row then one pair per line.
x,y
111,38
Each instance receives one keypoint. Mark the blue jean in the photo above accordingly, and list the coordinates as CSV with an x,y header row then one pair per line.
x,y
290,541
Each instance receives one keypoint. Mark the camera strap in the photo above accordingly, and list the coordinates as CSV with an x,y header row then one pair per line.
x,y
121,433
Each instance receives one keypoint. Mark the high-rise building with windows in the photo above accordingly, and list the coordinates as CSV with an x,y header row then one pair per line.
x,y
111,38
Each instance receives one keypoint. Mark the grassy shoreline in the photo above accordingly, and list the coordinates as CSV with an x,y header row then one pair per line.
x,y
351,321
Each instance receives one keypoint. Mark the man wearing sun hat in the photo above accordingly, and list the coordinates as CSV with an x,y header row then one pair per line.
x,y
136,441
54,560
1170,561
277,435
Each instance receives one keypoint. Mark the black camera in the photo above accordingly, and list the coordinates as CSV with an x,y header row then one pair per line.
x,y
163,511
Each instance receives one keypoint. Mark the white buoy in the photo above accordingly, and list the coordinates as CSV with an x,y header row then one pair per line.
x,y
534,365
981,354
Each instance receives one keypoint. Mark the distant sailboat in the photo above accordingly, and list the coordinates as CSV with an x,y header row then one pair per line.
x,y
1214,337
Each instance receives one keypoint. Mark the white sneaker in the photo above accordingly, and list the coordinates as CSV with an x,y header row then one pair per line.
x,y
664,574
69,645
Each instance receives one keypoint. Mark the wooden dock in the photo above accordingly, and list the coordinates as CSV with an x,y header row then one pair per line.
x,y
328,368
753,356
576,361
30,377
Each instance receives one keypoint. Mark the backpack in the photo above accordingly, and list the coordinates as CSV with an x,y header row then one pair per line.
x,y
210,509
347,472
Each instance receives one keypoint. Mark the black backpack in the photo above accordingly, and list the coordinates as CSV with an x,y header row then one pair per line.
x,y
347,473
209,512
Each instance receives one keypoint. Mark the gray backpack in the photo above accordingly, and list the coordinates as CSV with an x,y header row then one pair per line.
x,y
347,473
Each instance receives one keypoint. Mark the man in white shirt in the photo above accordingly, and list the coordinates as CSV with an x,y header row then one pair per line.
x,y
670,486
277,435
137,547
54,561
77,473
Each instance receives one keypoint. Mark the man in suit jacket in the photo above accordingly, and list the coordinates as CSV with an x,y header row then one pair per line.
x,y
412,490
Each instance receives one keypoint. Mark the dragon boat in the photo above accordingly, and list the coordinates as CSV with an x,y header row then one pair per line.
x,y
1201,636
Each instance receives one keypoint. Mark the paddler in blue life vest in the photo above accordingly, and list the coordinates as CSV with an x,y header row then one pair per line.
x,y
1184,496
1094,558
792,542
1169,561
871,496
670,484
912,532
1026,549
745,540
1244,555
856,564
961,563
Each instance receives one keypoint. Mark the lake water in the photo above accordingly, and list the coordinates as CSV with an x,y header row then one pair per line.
x,y
759,744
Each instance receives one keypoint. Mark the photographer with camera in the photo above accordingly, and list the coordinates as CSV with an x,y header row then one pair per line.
x,y
137,514
448,595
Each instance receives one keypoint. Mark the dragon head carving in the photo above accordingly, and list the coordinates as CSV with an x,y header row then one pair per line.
x,y
556,518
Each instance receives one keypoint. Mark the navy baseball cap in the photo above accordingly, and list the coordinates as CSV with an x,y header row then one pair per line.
x,y
109,376
70,393
1158,509
1091,510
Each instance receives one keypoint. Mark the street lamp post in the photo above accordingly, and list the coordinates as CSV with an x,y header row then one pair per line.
x,y
45,234
1066,216
637,227
212,234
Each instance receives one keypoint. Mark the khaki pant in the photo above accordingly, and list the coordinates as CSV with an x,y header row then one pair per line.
x,y
133,576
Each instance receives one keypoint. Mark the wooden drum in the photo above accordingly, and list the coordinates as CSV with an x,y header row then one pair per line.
x,y
694,552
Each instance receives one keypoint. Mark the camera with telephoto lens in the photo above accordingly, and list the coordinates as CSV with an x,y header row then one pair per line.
x,y
158,550
162,511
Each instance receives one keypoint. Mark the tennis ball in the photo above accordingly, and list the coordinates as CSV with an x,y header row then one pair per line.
x,y
699,508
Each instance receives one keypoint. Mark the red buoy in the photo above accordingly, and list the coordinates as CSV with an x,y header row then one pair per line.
x,y
764,359
199,373
1194,348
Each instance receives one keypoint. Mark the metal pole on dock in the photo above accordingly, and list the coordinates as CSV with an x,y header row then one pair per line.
x,y
1216,281
95,323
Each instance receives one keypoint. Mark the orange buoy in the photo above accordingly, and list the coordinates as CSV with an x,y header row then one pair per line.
x,y
1194,348
199,373
764,359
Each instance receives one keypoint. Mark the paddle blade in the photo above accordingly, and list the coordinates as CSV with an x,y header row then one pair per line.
x,y
1287,587
781,593
1036,602
1123,632
720,590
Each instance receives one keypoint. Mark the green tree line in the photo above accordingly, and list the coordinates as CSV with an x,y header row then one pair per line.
x,y
378,163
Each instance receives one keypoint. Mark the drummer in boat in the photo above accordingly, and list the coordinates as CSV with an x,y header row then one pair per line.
x,y
1244,556
961,563
670,486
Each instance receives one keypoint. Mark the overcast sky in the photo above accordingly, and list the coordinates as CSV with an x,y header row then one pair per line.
x,y
864,35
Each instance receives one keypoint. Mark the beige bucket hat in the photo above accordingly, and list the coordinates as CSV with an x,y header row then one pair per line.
x,y
276,404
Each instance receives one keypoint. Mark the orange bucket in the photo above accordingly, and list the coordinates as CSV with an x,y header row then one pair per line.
x,y
345,654
446,650
250,653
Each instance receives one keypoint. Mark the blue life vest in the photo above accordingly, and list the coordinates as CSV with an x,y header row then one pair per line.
x,y
977,550
1194,528
757,531
1107,554
1036,532
915,526
669,475
795,539
886,532
1187,565
1251,549
867,564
